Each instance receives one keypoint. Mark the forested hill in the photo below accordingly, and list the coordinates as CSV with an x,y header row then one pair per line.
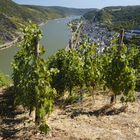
x,y
13,15
117,17
59,11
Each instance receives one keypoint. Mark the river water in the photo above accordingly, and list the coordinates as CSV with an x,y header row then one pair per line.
x,y
56,35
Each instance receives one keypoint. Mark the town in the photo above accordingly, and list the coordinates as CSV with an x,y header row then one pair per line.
x,y
96,33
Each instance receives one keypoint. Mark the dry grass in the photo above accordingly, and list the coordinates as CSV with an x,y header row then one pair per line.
x,y
80,121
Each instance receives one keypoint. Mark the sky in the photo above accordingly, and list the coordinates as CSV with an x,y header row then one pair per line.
x,y
80,3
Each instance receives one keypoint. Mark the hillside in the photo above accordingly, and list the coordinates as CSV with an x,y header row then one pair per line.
x,y
13,15
91,14
56,11
117,17
79,121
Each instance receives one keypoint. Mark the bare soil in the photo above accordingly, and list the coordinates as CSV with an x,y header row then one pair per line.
x,y
89,120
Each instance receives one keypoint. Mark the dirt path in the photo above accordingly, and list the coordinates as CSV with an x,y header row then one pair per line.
x,y
85,121
91,122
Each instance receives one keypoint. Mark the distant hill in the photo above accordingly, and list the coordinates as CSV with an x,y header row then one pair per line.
x,y
91,14
117,17
56,11
13,15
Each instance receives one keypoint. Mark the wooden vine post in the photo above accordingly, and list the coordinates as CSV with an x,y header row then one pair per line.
x,y
37,117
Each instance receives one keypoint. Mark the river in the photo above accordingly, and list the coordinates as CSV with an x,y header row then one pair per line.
x,y
56,35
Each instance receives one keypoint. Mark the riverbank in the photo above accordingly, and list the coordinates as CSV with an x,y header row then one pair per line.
x,y
12,43
56,35
9,44
43,23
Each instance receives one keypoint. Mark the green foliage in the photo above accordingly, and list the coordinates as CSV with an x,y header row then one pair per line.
x,y
57,61
134,43
4,80
70,66
73,69
31,76
119,76
116,68
76,68
44,128
92,65
89,15
136,64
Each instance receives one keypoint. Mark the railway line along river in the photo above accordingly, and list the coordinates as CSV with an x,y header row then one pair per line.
x,y
56,35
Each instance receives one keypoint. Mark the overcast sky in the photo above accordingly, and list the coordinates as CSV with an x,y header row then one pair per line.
x,y
80,3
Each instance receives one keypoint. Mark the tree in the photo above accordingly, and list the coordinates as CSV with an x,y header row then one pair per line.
x,y
31,76
74,73
119,76
134,50
58,80
70,66
92,64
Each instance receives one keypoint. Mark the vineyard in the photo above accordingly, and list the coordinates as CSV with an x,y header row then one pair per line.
x,y
78,93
